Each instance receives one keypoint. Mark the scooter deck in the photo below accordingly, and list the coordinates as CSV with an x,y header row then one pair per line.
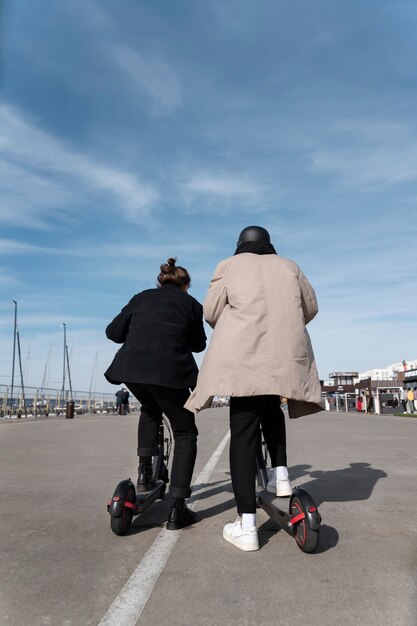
x,y
144,500
268,502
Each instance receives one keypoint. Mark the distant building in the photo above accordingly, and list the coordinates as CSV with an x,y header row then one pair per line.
x,y
343,378
390,372
340,382
409,378
391,377
386,373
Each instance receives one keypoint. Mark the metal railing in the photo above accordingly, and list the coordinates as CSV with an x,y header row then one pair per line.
x,y
39,402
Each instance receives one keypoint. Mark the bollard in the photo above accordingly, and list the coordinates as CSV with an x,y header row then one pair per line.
x,y
122,409
70,410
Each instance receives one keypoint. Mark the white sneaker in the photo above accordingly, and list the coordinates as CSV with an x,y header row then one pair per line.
x,y
244,539
282,488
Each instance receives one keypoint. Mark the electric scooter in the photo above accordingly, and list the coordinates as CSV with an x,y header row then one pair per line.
x,y
302,521
126,503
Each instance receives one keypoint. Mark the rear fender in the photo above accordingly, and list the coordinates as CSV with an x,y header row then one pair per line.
x,y
310,509
120,496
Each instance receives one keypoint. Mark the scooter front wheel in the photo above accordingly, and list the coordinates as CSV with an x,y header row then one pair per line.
x,y
307,539
121,525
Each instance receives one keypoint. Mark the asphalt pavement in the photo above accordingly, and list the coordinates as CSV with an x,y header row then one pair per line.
x,y
61,564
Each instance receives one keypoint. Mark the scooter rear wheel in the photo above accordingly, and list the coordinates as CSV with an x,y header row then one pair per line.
x,y
307,539
121,525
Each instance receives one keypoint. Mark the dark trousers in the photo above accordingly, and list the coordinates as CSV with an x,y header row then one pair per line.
x,y
247,415
155,400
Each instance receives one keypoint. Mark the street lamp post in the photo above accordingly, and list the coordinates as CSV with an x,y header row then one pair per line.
x,y
14,351
64,361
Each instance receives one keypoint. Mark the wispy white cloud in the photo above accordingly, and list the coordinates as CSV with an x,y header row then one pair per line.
x,y
15,247
35,320
369,155
361,328
112,249
127,250
152,76
222,191
226,186
39,176
6,278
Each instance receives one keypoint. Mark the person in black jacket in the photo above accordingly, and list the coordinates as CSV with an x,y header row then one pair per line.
x,y
159,329
122,401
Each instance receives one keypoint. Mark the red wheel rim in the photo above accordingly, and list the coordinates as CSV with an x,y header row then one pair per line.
x,y
300,526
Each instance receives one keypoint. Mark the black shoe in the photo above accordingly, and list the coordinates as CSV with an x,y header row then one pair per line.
x,y
181,516
145,478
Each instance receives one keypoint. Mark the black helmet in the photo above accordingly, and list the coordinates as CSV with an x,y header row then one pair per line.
x,y
255,234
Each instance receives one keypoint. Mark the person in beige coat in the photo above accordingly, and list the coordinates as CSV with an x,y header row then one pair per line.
x,y
258,304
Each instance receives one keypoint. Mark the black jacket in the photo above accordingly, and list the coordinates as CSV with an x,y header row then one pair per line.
x,y
159,329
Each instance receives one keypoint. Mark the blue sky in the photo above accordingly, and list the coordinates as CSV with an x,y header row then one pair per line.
x,y
134,131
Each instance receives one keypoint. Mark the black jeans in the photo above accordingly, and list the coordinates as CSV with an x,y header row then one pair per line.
x,y
155,400
247,414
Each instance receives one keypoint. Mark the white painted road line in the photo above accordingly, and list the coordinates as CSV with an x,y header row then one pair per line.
x,y
127,607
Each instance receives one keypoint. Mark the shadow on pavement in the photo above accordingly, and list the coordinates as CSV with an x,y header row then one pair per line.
x,y
154,517
224,485
329,538
219,508
355,482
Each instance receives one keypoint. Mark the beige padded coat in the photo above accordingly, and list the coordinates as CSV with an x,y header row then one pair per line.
x,y
259,306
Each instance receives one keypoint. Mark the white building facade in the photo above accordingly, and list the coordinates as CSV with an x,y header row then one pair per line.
x,y
389,372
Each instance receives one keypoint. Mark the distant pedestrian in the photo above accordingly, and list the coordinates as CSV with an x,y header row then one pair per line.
x,y
410,401
119,395
122,401
403,398
415,398
369,401
125,401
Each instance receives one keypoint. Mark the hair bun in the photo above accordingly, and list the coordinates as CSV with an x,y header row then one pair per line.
x,y
171,273
169,266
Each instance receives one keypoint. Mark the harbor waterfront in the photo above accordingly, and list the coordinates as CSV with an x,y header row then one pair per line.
x,y
34,402
62,565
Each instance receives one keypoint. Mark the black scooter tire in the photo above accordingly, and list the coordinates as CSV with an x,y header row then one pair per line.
x,y
121,525
306,538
